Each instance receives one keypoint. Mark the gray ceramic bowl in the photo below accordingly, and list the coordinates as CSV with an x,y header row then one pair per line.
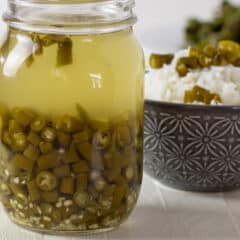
x,y
193,147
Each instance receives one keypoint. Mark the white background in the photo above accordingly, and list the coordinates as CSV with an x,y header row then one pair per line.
x,y
161,21
164,213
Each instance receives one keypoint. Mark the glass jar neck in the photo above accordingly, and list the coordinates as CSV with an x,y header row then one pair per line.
x,y
70,16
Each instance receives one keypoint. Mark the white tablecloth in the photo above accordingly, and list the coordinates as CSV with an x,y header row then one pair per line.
x,y
163,213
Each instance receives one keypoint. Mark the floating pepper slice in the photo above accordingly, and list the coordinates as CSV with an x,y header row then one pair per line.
x,y
64,53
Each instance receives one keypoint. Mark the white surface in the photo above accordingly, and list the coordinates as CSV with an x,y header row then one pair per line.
x,y
163,213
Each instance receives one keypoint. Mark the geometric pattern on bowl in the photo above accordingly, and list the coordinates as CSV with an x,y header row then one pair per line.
x,y
195,148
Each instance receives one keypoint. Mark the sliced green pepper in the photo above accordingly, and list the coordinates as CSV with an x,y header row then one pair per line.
x,y
81,199
49,160
21,162
38,124
64,139
81,182
64,53
49,134
85,150
62,171
4,189
118,195
23,117
158,61
31,152
71,156
19,193
18,141
100,184
34,139
50,197
46,181
102,140
14,126
67,185
45,147
82,136
80,167
47,209
33,191
71,124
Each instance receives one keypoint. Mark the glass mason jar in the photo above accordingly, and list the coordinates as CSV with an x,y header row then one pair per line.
x,y
71,101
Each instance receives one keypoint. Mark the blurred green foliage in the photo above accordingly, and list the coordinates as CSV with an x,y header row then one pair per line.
x,y
225,25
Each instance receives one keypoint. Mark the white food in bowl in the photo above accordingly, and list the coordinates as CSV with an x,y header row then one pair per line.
x,y
166,85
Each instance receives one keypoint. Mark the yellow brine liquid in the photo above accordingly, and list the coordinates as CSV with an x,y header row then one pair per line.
x,y
71,129
105,76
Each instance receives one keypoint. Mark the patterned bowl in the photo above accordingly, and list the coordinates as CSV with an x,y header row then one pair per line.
x,y
193,147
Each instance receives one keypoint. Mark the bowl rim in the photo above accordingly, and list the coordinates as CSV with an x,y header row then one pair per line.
x,y
191,106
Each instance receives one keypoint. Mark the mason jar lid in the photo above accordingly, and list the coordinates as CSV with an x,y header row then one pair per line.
x,y
70,16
